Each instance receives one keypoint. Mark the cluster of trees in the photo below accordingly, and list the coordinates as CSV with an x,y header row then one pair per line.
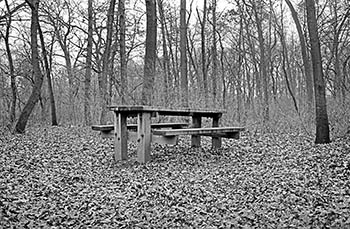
x,y
72,58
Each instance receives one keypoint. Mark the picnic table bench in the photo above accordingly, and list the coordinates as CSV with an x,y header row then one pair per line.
x,y
107,131
148,132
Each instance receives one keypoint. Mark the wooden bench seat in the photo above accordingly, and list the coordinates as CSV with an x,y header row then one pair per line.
x,y
107,131
215,132
110,127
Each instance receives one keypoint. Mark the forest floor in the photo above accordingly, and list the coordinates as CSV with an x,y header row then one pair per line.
x,y
64,177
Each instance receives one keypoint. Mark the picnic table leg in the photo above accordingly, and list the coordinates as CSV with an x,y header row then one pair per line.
x,y
216,141
143,137
196,123
121,137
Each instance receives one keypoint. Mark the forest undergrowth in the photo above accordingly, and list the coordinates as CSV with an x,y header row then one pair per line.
x,y
65,177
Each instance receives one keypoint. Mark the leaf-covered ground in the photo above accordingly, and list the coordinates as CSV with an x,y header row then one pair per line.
x,y
66,177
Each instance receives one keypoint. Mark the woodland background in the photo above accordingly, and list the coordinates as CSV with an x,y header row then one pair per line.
x,y
249,57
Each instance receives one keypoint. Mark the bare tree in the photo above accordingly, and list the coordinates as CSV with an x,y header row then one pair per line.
x,y
183,53
322,125
203,21
166,59
150,54
88,70
123,57
305,56
214,56
263,65
38,80
48,76
6,37
106,67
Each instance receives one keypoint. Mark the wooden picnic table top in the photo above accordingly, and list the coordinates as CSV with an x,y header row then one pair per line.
x,y
134,109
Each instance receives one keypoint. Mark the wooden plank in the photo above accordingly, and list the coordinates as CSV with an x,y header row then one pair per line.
x,y
196,139
121,138
110,127
103,128
199,131
216,140
144,137
132,136
161,125
135,109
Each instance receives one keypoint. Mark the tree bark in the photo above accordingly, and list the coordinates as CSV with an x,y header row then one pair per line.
x,y
263,64
11,66
322,125
215,58
38,80
203,53
150,54
88,70
123,57
48,76
183,54
305,56
166,59
103,77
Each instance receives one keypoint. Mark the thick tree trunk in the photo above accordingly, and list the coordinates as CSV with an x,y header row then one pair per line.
x,y
183,53
150,54
38,80
203,53
166,60
322,125
88,71
263,64
123,58
106,70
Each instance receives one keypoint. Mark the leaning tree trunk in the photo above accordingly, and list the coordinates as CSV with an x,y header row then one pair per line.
x,y
48,76
305,56
322,126
38,77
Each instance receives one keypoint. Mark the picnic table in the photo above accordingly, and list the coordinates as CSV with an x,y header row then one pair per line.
x,y
146,130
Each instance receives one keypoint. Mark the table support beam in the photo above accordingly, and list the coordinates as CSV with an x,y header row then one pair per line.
x,y
121,137
144,137
216,141
196,123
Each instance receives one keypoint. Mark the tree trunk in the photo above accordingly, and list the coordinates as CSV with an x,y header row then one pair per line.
x,y
150,54
103,77
48,76
183,53
203,53
305,56
123,58
38,80
263,64
166,60
215,58
88,71
322,125
11,66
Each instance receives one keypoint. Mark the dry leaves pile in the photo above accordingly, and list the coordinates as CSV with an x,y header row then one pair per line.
x,y
65,177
